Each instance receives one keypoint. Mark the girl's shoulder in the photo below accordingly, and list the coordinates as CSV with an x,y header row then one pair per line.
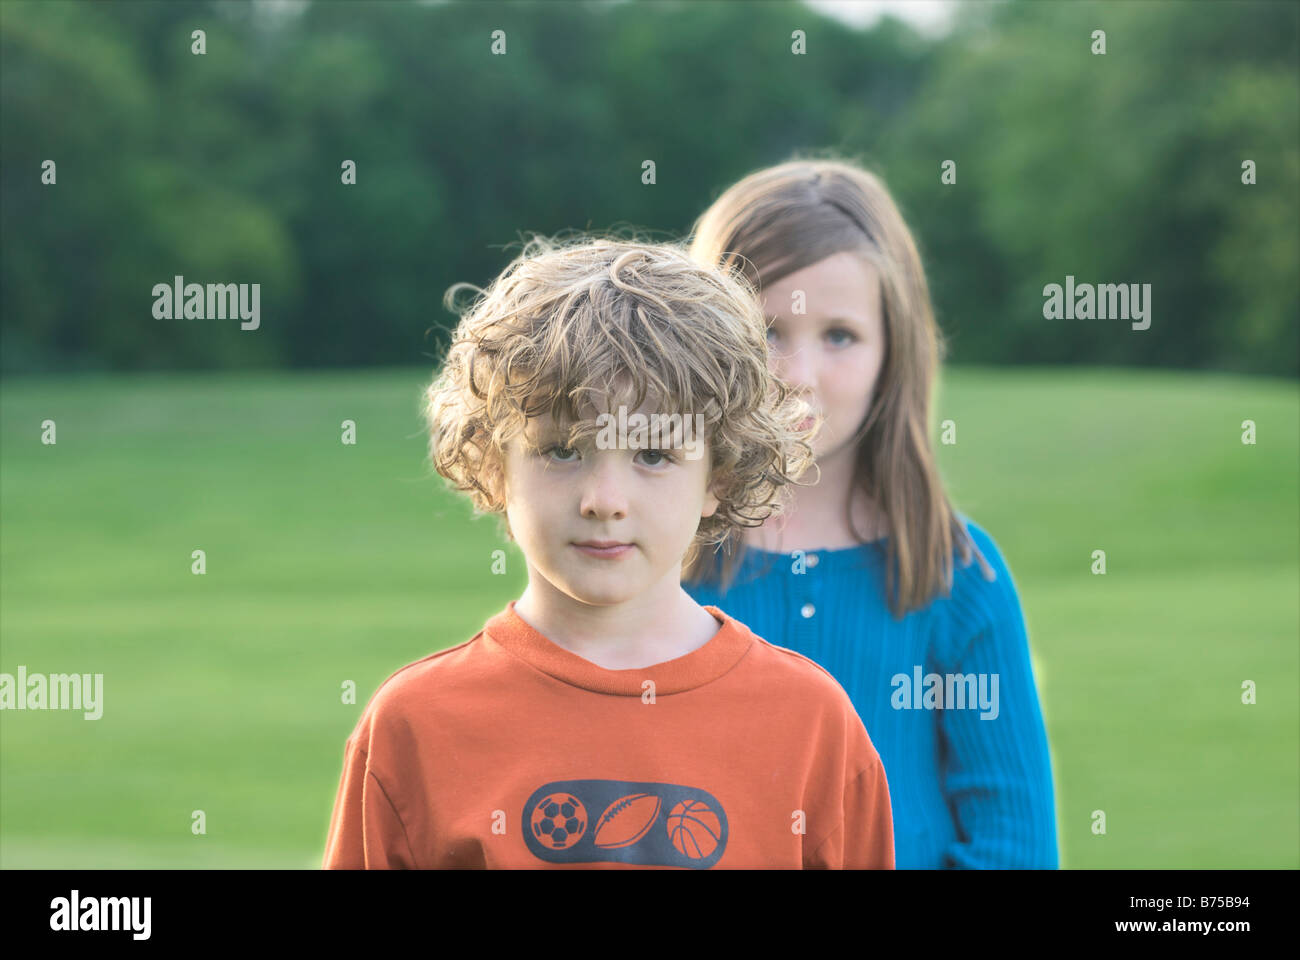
x,y
979,591
983,541
983,596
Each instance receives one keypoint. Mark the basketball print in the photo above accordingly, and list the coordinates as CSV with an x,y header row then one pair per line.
x,y
694,829
559,821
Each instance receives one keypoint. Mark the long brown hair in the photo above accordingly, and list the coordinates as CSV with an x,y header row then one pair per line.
x,y
782,219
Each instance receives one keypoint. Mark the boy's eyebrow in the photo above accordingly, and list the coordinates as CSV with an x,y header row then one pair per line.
x,y
551,433
556,434
547,435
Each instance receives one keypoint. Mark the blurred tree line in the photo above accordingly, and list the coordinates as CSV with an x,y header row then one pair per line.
x,y
226,167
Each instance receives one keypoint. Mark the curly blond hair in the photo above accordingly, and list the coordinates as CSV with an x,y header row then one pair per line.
x,y
569,325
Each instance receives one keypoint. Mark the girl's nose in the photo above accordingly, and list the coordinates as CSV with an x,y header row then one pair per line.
x,y
797,366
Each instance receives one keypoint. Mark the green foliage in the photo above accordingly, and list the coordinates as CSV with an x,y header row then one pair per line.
x,y
1122,167
226,167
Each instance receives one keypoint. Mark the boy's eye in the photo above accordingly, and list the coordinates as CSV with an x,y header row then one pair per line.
x,y
662,455
562,454
557,448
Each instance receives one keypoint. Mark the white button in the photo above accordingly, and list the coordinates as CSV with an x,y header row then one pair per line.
x,y
808,610
811,559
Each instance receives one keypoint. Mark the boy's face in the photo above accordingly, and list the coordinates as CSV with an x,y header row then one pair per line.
x,y
557,498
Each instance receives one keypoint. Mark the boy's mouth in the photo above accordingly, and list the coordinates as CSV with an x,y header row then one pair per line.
x,y
603,548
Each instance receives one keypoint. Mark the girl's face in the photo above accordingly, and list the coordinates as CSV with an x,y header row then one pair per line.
x,y
832,351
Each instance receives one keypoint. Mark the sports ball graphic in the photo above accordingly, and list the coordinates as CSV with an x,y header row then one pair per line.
x,y
627,820
694,829
559,821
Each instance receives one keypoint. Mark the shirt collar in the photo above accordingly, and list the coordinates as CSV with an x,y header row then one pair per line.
x,y
700,666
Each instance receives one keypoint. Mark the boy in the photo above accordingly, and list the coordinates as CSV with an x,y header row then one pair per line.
x,y
604,719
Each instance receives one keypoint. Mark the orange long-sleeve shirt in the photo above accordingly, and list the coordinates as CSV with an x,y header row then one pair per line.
x,y
510,751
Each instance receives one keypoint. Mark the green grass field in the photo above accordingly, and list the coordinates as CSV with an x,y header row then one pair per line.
x,y
328,563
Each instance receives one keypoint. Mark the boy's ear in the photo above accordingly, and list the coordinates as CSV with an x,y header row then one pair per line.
x,y
494,478
711,502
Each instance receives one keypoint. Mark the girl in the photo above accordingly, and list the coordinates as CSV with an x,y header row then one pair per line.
x,y
860,574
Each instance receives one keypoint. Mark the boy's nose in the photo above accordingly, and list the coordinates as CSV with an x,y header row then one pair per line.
x,y
602,491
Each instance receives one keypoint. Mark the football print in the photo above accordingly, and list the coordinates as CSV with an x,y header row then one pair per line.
x,y
627,820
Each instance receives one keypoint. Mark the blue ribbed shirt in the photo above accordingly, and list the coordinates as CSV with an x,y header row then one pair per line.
x,y
970,778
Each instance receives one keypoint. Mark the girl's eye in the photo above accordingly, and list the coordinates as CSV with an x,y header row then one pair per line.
x,y
664,457
554,448
849,337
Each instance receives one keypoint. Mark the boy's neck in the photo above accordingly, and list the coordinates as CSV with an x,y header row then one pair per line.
x,y
662,624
